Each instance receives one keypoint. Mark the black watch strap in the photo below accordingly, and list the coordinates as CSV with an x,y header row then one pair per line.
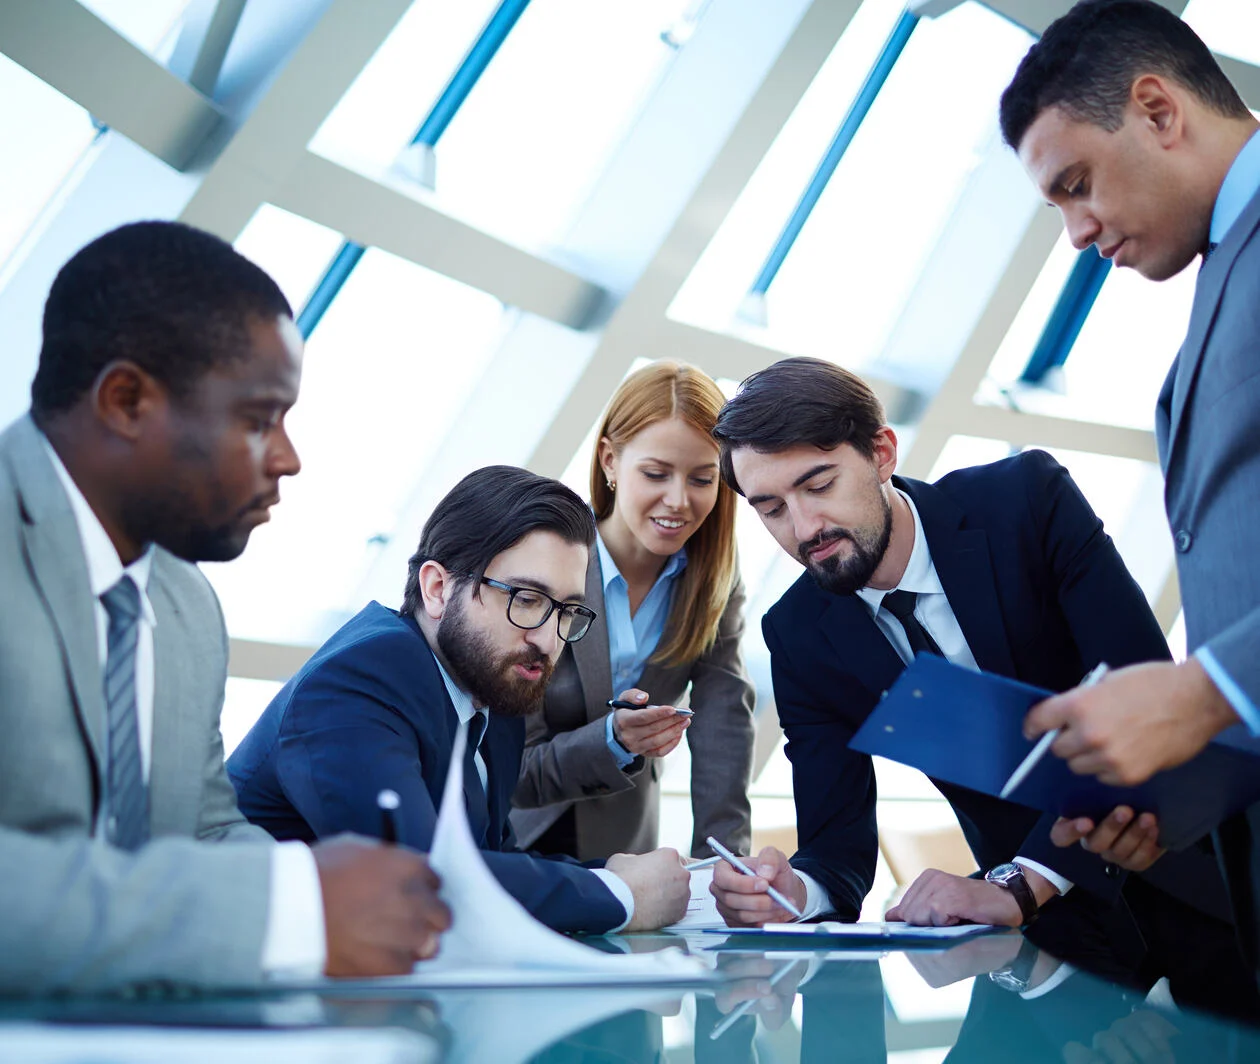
x,y
1011,877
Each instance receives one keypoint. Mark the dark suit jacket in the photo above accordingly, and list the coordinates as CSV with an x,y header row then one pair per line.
x,y
1041,595
1209,447
567,762
368,711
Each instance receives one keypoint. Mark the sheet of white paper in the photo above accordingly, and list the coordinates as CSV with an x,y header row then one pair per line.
x,y
702,908
889,928
38,1043
492,932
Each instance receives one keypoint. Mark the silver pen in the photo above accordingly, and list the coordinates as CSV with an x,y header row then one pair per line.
x,y
1044,743
742,868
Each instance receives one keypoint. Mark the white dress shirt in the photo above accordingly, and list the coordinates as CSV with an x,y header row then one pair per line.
x,y
465,710
933,611
294,940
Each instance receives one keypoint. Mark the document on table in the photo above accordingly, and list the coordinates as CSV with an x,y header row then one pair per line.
x,y
702,914
494,941
881,931
45,1043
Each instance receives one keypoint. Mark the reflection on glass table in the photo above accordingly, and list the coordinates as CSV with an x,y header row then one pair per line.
x,y
993,998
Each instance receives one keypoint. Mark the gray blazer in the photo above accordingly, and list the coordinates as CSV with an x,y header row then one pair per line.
x,y
567,761
77,913
1208,429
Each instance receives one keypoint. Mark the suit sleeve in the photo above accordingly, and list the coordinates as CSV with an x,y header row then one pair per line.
x,y
345,739
569,765
721,738
1109,618
81,916
834,787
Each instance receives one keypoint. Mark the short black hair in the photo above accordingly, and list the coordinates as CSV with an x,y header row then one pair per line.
x,y
174,300
1087,61
490,511
796,401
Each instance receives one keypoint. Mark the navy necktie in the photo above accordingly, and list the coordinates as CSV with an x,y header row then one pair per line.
x,y
901,605
126,794
474,792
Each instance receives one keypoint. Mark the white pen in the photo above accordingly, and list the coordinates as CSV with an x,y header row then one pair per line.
x,y
1043,744
742,868
708,862
741,1010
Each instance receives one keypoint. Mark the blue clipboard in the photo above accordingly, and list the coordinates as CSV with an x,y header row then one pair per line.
x,y
966,728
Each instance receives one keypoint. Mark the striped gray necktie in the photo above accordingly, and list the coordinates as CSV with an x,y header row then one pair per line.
x,y
126,794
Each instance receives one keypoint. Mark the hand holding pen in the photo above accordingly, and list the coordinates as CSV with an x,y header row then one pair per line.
x,y
741,898
646,730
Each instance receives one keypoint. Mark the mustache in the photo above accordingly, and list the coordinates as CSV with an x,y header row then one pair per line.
x,y
827,535
260,502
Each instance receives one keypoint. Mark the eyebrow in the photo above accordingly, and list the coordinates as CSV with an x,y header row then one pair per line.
x,y
1057,184
538,585
809,474
662,461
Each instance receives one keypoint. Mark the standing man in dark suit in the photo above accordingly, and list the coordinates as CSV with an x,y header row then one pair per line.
x,y
156,439
494,591
1126,123
1001,567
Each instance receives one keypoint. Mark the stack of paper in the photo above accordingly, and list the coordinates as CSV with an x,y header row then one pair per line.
x,y
702,914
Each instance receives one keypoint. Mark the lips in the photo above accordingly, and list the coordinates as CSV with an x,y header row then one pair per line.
x,y
821,546
1110,251
668,524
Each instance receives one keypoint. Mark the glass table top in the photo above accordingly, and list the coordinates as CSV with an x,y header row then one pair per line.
x,y
989,998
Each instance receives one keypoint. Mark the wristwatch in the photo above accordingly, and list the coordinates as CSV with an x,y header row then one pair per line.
x,y
1010,877
1016,976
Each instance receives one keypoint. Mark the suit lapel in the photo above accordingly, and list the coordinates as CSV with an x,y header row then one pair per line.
x,y
54,552
1213,277
962,561
174,762
856,638
590,653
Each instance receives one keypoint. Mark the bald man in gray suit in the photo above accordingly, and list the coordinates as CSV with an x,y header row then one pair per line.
x,y
156,438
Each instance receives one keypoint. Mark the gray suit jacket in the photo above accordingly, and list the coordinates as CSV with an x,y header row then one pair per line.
x,y
77,913
567,761
1208,429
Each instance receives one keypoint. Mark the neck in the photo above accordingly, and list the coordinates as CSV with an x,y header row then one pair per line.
x,y
892,567
1225,140
637,564
91,466
428,628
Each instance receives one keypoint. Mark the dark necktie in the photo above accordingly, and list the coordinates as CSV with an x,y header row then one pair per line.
x,y
126,794
901,605
474,792
1207,252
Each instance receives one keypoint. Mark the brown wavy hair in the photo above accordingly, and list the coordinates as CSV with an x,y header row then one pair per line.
x,y
654,393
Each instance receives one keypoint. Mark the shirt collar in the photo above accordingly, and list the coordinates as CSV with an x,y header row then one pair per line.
x,y
1239,188
104,566
609,572
460,699
920,575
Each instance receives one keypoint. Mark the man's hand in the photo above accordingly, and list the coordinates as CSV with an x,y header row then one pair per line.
x,y
1119,839
940,899
660,883
652,731
742,900
1142,1037
768,987
1136,722
971,957
382,912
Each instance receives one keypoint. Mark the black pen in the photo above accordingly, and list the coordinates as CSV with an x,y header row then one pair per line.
x,y
621,703
388,802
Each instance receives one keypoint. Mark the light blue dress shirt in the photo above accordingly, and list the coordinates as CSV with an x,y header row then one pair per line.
x,y
632,640
1238,189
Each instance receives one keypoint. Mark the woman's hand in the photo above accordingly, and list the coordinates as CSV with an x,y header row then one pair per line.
x,y
650,731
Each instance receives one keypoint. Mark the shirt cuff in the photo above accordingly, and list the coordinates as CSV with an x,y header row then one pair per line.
x,y
294,943
620,754
621,891
1057,881
1235,695
1057,978
817,900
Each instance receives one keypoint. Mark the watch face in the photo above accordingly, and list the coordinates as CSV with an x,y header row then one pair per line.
x,y
1001,872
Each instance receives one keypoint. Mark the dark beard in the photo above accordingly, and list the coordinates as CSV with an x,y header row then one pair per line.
x,y
845,575
487,678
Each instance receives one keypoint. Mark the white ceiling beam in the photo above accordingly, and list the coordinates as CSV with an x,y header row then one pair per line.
x,y
251,659
376,215
203,43
64,44
1021,429
272,140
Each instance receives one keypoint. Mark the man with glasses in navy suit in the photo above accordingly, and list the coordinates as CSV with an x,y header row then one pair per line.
x,y
493,593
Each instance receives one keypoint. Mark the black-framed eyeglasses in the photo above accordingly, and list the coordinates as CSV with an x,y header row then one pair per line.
x,y
530,608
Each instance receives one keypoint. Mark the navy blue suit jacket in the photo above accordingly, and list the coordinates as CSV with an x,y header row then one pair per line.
x,y
370,710
1042,596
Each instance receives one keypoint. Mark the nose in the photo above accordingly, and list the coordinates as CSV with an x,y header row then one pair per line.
x,y
806,522
1082,228
546,638
283,460
675,494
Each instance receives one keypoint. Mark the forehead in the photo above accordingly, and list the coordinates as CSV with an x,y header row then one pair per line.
x,y
673,439
1056,141
545,560
267,368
